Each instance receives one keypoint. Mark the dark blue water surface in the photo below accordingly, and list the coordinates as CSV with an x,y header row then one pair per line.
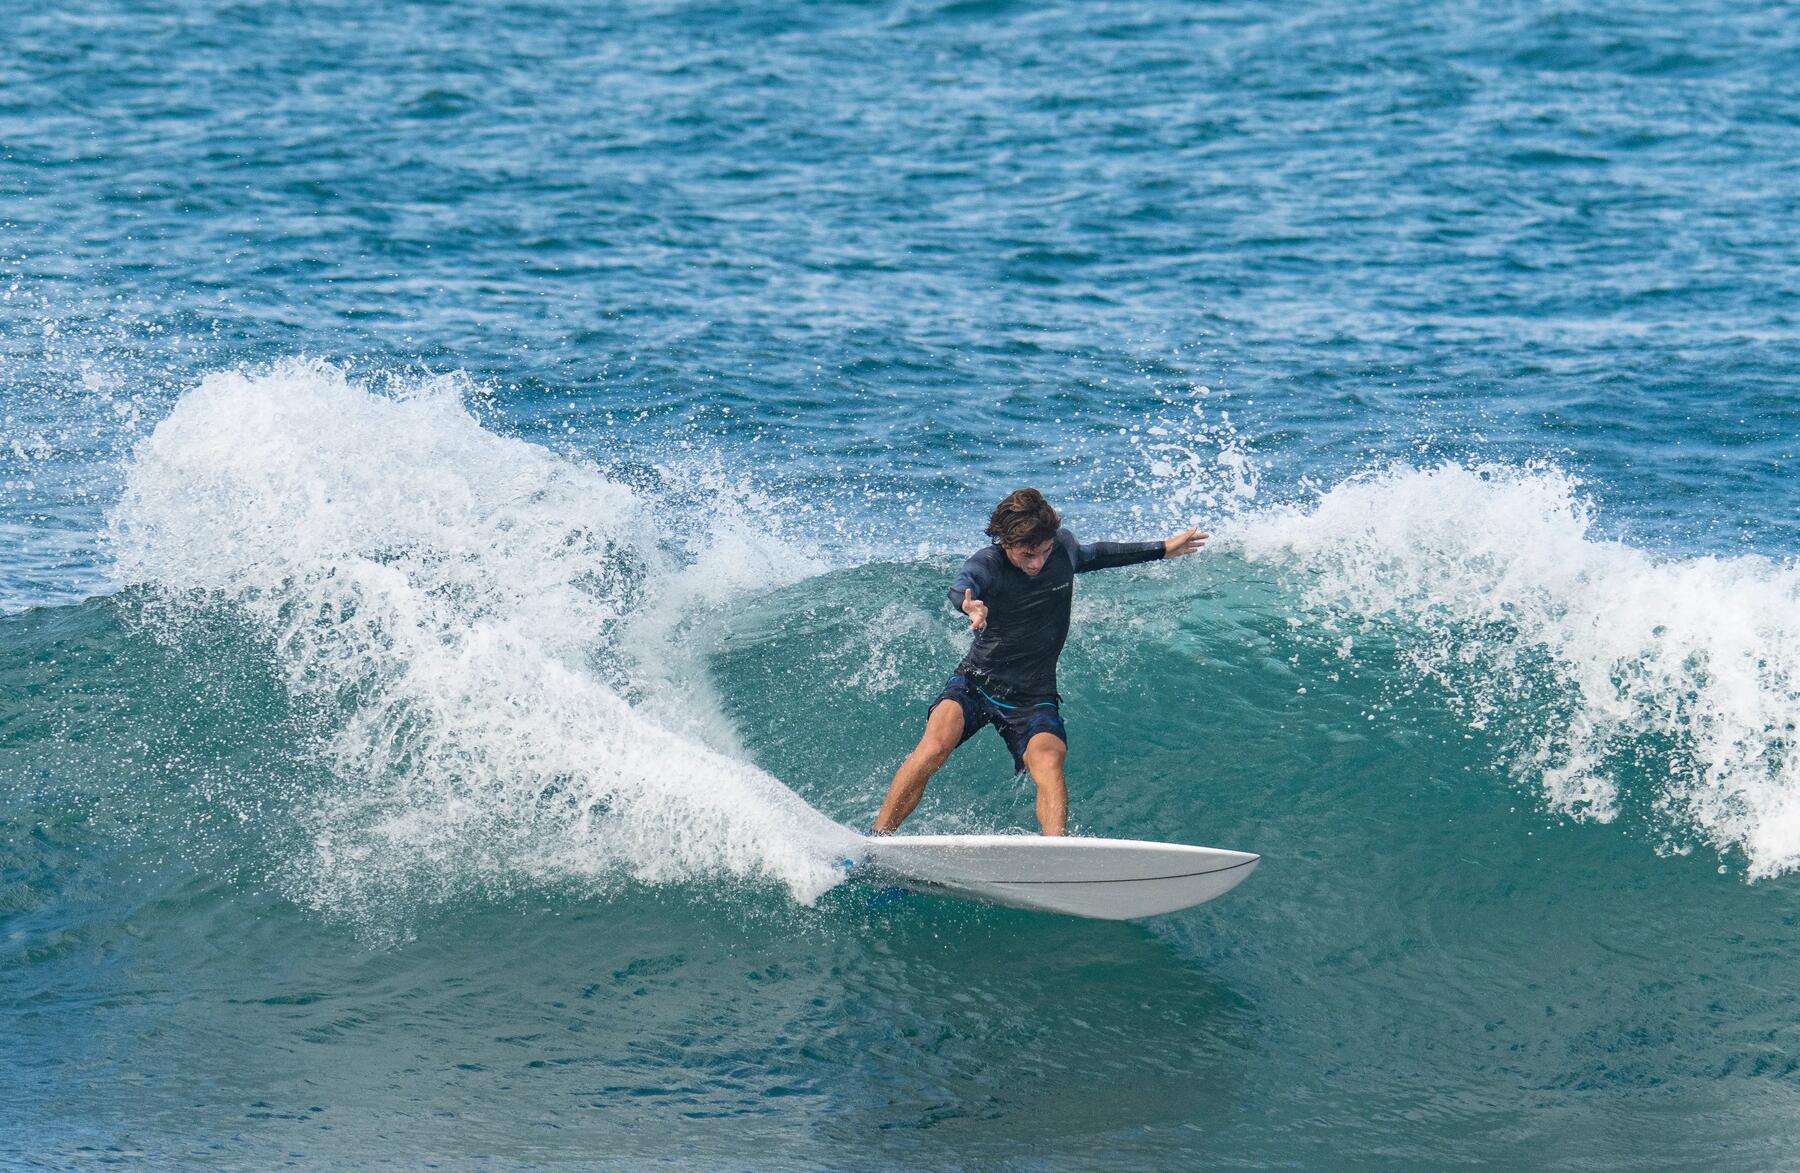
x,y
454,457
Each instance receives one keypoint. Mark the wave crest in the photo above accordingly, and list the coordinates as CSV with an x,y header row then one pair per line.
x,y
1498,574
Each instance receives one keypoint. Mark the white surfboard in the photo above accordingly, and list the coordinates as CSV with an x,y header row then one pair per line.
x,y
1112,879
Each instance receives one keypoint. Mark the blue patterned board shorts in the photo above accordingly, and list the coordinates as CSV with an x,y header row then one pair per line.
x,y
1017,723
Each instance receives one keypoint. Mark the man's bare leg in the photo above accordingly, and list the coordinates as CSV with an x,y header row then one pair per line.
x,y
943,731
1044,755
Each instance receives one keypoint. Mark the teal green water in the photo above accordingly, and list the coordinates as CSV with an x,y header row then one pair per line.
x,y
477,486
1425,970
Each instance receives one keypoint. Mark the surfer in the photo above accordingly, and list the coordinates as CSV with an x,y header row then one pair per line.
x,y
1016,593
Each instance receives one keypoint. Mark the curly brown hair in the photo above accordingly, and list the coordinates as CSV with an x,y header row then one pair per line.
x,y
1023,519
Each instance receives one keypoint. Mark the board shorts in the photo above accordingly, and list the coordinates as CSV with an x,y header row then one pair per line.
x,y
1018,723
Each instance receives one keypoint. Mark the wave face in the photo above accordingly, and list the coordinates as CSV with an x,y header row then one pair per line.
x,y
1596,660
493,633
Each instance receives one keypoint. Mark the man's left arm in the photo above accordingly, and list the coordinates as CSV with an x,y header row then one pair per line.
x,y
1104,555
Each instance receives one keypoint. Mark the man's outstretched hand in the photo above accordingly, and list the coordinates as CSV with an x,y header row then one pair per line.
x,y
976,610
1185,542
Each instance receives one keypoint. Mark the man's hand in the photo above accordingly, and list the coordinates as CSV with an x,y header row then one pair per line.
x,y
975,609
1185,542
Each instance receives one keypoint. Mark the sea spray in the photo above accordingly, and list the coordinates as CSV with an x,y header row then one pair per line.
x,y
495,626
1494,574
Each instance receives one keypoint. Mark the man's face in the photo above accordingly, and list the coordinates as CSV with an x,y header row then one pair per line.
x,y
1030,559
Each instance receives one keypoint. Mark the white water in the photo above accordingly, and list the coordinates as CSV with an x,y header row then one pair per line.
x,y
498,626
1496,572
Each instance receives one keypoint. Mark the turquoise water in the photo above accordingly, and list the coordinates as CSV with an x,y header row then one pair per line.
x,y
478,483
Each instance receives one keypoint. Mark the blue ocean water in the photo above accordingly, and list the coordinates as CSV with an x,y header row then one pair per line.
x,y
477,483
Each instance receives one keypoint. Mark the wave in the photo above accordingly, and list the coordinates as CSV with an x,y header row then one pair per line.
x,y
1599,658
495,629
501,641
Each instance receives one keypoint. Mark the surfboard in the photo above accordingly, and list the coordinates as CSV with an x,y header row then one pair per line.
x,y
1111,879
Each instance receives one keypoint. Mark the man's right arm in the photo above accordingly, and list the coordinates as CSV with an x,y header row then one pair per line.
x,y
976,577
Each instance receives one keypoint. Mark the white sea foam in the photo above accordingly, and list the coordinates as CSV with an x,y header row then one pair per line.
x,y
1498,574
497,626
1184,462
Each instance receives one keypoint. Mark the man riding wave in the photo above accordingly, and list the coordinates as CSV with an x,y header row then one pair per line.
x,y
1016,593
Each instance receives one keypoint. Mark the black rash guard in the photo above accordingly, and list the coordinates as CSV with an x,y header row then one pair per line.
x,y
1014,656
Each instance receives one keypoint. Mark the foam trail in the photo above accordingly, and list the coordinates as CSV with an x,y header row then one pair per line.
x,y
1497,572
496,627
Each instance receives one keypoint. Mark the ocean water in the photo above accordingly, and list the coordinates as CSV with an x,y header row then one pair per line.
x,y
478,481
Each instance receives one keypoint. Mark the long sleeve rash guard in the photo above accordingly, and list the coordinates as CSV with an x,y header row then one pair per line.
x,y
1014,656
